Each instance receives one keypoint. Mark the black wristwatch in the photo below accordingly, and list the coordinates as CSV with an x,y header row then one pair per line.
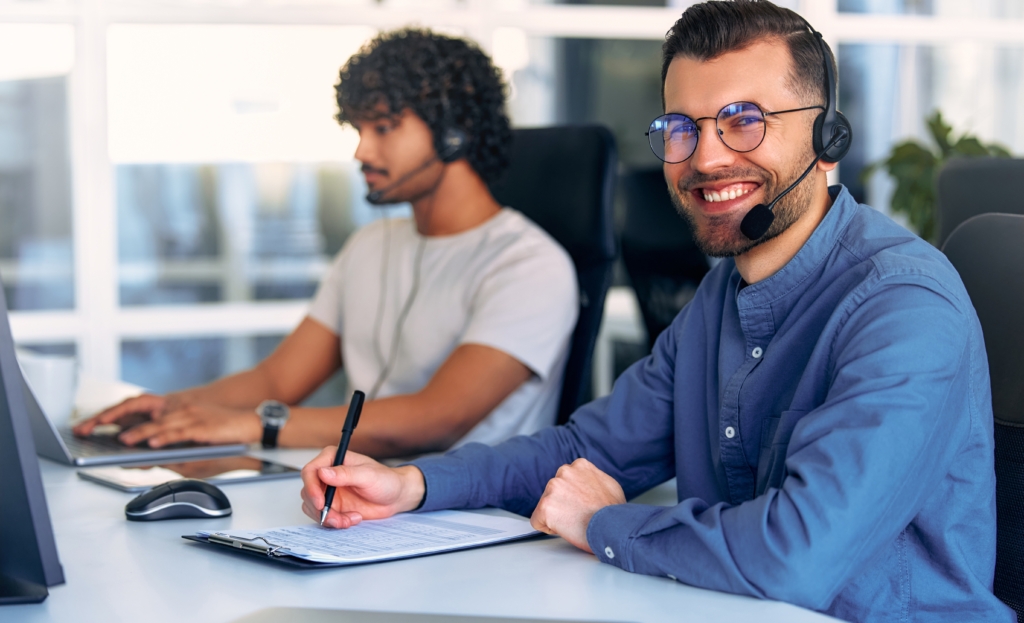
x,y
273,414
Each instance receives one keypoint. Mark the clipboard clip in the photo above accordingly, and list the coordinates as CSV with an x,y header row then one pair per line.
x,y
251,545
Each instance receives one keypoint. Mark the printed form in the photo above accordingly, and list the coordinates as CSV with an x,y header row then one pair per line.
x,y
402,536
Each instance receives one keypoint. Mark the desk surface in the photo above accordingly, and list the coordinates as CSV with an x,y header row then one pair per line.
x,y
122,571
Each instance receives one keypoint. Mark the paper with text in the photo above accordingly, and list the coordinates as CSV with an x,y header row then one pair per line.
x,y
402,536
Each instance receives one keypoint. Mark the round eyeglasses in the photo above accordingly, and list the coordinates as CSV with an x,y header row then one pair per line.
x,y
741,127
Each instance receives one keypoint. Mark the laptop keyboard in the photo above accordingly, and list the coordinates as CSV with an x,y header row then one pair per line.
x,y
84,447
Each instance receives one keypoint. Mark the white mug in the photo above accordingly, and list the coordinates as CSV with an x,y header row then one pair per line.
x,y
53,380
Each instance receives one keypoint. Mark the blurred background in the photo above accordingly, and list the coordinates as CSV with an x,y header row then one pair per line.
x,y
173,184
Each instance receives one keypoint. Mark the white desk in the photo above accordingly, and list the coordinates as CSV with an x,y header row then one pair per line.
x,y
122,571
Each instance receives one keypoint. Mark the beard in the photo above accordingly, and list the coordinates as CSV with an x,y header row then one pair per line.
x,y
719,235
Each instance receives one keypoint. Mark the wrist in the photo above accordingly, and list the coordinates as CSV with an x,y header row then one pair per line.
x,y
414,488
253,427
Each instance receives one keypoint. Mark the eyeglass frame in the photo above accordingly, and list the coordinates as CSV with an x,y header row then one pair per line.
x,y
719,131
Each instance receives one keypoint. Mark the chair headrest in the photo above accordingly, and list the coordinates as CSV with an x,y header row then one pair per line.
x,y
966,187
563,179
988,252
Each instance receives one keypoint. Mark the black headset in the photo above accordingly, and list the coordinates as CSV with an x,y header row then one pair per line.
x,y
830,123
453,143
830,138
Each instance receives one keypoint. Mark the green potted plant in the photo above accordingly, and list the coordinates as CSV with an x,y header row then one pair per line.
x,y
913,166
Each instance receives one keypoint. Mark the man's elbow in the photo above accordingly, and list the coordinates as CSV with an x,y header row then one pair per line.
x,y
802,580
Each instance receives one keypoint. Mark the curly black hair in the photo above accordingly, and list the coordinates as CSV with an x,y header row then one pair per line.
x,y
446,81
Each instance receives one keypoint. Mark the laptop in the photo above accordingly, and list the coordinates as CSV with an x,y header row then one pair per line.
x,y
62,446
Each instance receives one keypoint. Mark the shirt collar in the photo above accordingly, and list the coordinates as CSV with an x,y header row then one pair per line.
x,y
817,248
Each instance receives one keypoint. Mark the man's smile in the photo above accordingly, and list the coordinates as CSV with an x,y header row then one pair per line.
x,y
718,197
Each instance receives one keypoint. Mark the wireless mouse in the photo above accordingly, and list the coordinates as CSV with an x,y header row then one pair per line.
x,y
179,499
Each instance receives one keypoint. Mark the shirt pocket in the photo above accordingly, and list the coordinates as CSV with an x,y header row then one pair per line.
x,y
771,461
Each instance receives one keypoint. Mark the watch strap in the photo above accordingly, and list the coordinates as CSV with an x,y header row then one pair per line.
x,y
270,436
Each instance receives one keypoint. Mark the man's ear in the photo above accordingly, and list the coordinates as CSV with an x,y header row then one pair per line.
x,y
827,166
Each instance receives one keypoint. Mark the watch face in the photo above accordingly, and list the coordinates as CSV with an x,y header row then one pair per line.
x,y
273,413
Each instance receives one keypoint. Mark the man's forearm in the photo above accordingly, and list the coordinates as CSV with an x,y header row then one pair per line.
x,y
390,427
242,390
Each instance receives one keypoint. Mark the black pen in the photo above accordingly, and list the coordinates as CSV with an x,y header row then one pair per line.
x,y
355,407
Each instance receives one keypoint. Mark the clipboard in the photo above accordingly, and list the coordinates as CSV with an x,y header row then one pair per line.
x,y
268,553
271,553
396,538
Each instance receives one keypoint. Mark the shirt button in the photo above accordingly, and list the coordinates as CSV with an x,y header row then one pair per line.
x,y
730,432
609,553
757,352
672,577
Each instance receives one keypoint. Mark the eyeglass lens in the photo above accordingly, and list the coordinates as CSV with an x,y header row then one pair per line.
x,y
673,137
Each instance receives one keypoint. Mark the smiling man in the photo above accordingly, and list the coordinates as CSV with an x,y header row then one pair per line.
x,y
823,402
456,322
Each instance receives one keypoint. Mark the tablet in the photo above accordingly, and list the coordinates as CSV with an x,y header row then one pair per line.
x,y
228,469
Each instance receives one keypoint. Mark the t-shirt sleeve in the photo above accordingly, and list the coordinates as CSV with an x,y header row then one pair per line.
x,y
326,307
527,306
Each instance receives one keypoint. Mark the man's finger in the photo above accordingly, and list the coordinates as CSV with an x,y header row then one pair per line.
x,y
171,435
355,476
312,486
342,520
538,523
146,403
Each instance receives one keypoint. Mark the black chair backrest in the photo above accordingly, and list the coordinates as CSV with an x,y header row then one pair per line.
x,y
966,187
563,179
664,265
988,252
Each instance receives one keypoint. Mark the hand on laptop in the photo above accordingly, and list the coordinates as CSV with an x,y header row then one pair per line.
x,y
366,488
174,419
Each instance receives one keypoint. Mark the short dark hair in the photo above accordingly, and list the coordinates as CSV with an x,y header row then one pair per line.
x,y
711,29
446,81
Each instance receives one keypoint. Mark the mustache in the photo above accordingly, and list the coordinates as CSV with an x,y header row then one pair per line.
x,y
368,169
696,180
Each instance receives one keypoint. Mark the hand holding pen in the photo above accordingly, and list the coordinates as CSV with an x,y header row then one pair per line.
x,y
355,407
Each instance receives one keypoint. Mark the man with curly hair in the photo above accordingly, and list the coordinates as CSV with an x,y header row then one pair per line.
x,y
456,322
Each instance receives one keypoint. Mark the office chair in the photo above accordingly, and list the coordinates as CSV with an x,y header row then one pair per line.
x,y
988,252
966,187
563,179
663,263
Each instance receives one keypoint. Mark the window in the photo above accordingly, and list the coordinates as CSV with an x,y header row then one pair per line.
x,y
173,184
35,169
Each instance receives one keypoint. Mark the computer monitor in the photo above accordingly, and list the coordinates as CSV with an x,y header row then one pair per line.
x,y
28,553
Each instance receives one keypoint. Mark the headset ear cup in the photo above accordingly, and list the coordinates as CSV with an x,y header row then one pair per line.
x,y
816,133
822,138
453,145
840,149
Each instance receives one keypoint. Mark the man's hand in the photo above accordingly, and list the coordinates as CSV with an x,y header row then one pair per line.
x,y
365,489
174,420
571,498
146,405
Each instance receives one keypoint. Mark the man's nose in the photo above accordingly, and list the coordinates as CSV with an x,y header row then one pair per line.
x,y
365,149
711,153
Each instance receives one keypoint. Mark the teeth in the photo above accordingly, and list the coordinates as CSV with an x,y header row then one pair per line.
x,y
714,196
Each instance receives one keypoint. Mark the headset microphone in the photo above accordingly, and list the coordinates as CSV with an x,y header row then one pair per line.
x,y
376,197
453,147
756,223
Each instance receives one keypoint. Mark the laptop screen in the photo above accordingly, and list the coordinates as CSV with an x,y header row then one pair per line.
x,y
28,553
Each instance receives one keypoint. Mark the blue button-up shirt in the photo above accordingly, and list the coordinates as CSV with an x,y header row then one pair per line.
x,y
829,429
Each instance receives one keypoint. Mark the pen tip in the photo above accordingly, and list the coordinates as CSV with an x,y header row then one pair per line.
x,y
323,516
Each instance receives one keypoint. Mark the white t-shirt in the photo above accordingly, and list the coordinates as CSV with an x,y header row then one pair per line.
x,y
504,284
